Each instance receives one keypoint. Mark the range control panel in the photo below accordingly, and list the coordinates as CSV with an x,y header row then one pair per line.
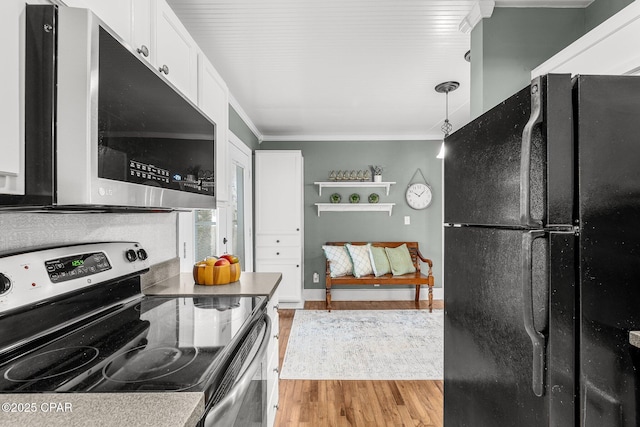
x,y
29,277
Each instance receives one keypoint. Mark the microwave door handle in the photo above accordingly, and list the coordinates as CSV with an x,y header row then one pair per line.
x,y
219,414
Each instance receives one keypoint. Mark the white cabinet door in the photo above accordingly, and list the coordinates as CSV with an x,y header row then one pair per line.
x,y
115,13
279,191
11,107
176,53
141,15
290,289
213,99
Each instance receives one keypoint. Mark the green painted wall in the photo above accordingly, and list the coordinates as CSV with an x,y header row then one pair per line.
x,y
514,41
601,10
241,130
400,160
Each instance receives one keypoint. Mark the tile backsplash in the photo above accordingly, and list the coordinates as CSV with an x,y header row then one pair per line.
x,y
157,232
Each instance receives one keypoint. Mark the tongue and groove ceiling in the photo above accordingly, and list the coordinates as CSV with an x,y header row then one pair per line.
x,y
340,69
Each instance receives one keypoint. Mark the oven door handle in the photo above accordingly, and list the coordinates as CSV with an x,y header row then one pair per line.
x,y
218,415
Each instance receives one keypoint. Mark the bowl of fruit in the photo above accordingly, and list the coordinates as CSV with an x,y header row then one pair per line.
x,y
217,270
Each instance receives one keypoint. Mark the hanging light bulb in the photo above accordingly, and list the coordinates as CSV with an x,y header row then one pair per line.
x,y
446,127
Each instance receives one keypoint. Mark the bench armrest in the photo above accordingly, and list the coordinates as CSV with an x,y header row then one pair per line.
x,y
430,264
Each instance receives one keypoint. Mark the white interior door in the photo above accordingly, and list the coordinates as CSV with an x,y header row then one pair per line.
x,y
239,215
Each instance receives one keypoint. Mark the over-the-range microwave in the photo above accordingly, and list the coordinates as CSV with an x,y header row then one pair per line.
x,y
103,128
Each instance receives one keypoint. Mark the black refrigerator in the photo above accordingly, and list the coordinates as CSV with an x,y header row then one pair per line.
x,y
542,258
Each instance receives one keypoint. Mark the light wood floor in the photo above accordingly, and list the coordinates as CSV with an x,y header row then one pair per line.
x,y
338,403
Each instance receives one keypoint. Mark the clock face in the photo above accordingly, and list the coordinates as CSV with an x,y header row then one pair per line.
x,y
418,196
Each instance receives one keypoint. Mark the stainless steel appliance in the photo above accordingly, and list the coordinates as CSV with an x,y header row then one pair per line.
x,y
73,319
542,200
102,126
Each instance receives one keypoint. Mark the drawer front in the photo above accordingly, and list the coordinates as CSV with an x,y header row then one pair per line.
x,y
278,240
275,252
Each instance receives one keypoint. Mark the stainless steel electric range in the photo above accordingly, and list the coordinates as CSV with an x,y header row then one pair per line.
x,y
73,319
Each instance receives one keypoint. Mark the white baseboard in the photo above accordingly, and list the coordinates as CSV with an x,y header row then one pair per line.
x,y
377,294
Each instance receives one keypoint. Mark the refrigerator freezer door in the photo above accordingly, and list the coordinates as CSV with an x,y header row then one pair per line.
x,y
609,209
483,161
488,354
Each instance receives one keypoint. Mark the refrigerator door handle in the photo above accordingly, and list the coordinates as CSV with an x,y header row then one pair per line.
x,y
538,340
525,155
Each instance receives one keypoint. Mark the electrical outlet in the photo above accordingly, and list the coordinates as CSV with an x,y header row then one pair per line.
x,y
316,278
407,220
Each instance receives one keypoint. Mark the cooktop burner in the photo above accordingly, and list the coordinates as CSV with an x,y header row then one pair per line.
x,y
143,364
39,367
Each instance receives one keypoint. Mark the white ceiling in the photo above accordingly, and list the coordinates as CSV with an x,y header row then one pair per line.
x,y
340,69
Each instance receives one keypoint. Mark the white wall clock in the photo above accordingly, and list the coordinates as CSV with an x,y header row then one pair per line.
x,y
418,195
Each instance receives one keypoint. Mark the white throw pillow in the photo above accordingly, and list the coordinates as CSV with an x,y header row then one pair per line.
x,y
339,260
360,258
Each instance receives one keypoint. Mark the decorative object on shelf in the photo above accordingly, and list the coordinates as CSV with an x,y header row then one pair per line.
x,y
339,176
418,195
353,176
377,173
367,175
373,198
354,198
446,127
360,175
332,176
335,198
353,184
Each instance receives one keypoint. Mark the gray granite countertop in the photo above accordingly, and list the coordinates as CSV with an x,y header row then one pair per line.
x,y
634,338
250,284
104,409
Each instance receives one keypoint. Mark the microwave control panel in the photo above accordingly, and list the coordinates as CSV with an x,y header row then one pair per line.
x,y
146,172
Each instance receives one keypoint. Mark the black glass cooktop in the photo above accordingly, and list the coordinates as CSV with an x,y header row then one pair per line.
x,y
149,344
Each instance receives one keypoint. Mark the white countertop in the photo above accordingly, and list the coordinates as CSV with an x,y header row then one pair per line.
x,y
103,409
250,284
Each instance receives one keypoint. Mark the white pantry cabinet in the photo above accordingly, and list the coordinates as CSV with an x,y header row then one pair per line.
x,y
279,219
213,100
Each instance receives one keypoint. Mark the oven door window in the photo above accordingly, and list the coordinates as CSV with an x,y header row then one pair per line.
x,y
148,133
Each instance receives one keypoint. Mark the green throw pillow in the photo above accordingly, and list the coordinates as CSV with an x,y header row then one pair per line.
x,y
379,261
400,260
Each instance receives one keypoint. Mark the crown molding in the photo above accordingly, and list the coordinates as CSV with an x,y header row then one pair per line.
x,y
480,10
245,117
361,138
547,3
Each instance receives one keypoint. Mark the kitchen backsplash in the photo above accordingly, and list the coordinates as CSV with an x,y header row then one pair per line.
x,y
157,232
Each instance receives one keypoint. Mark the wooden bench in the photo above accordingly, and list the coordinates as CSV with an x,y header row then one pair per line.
x,y
416,278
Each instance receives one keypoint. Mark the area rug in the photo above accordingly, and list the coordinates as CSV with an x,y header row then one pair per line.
x,y
365,345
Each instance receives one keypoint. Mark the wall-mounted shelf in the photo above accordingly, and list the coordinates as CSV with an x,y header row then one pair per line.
x,y
355,207
352,184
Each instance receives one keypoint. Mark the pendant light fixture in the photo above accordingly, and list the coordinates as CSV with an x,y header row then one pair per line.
x,y
446,127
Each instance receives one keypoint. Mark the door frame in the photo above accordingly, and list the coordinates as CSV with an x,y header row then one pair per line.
x,y
241,154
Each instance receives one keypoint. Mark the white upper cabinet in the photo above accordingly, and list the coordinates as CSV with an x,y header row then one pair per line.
x,y
11,106
213,100
141,29
115,13
176,53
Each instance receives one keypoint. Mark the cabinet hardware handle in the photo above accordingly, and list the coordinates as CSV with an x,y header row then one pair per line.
x,y
277,241
298,265
276,370
276,307
277,336
276,407
164,69
277,253
143,50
